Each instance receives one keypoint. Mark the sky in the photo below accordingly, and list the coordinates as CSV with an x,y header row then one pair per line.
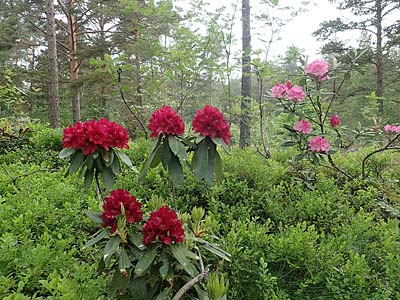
x,y
298,31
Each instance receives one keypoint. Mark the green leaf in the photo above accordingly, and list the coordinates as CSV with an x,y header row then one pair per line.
x,y
203,161
175,170
199,139
115,168
119,281
178,251
164,269
100,235
94,216
107,177
136,239
139,289
165,294
125,159
123,261
289,143
177,147
77,160
222,144
88,178
66,152
145,261
290,128
111,247
217,251
108,157
147,164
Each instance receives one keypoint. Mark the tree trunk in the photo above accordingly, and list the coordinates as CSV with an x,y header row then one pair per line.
x,y
246,77
379,59
73,62
53,66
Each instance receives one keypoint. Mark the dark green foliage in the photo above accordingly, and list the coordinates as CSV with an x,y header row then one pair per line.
x,y
329,239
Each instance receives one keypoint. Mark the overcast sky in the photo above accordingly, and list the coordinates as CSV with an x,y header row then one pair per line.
x,y
297,32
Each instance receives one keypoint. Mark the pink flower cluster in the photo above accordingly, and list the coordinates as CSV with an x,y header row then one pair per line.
x,y
91,135
166,121
319,145
209,121
294,93
112,209
391,128
318,69
303,126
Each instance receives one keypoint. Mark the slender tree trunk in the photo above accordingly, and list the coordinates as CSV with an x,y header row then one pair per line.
x,y
246,77
53,66
138,97
73,62
379,59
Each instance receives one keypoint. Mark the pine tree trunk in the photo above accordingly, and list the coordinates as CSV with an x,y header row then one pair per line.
x,y
73,63
379,59
246,77
53,66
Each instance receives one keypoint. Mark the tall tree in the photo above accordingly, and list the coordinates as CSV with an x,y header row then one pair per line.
x,y
245,105
53,66
372,16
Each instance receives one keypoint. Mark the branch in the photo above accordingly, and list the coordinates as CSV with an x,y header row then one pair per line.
x,y
182,291
387,147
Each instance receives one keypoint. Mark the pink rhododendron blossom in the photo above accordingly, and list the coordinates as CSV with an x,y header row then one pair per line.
x,y
334,121
303,126
319,145
318,69
288,85
295,94
278,90
391,128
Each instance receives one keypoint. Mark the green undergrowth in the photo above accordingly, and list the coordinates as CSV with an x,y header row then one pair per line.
x,y
294,231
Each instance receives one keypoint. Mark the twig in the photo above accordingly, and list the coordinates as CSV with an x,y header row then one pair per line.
x,y
330,159
387,147
182,291
119,71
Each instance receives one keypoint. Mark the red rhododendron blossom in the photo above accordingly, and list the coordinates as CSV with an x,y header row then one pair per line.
x,y
334,121
209,121
163,225
91,135
278,91
319,145
303,126
391,128
112,209
166,121
295,94
318,69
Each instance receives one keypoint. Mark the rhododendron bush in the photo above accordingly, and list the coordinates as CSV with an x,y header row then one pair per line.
x,y
170,147
317,133
152,254
92,147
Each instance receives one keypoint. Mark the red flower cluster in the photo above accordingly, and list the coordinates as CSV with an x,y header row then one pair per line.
x,y
164,225
209,121
112,209
166,121
88,136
